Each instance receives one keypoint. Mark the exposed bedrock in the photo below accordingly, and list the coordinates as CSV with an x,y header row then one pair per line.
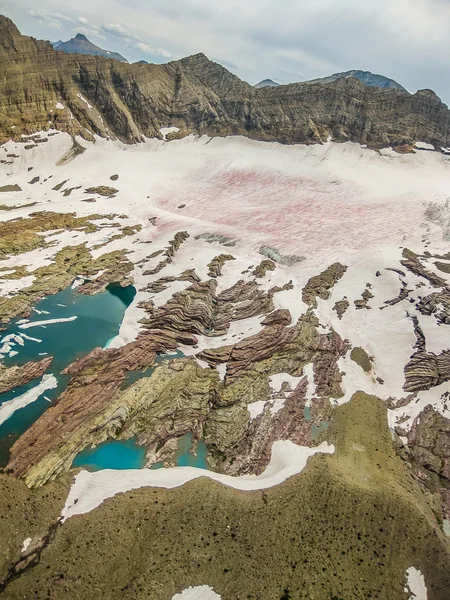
x,y
180,397
217,263
174,245
67,264
426,370
88,411
412,263
320,286
429,454
12,377
438,305
200,310
199,96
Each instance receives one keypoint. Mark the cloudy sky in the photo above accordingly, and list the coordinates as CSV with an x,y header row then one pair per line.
x,y
285,40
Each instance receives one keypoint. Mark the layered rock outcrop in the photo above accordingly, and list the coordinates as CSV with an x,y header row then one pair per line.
x,y
13,377
198,96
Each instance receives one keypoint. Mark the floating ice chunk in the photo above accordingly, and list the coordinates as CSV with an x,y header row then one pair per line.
x,y
31,339
7,409
48,322
9,341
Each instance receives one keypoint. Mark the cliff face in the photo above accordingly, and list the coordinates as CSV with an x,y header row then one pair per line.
x,y
114,99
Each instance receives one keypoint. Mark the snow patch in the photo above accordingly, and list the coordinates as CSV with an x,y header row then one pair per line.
x,y
165,131
424,146
90,489
199,592
416,584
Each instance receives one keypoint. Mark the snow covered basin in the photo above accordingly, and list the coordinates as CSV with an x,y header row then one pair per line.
x,y
76,324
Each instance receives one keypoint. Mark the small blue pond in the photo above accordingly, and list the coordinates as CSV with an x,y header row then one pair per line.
x,y
98,320
112,454
118,454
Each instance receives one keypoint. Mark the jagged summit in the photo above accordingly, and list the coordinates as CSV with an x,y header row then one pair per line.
x,y
200,96
7,25
11,40
365,77
81,45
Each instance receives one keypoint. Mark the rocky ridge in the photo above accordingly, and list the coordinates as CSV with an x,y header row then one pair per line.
x,y
44,88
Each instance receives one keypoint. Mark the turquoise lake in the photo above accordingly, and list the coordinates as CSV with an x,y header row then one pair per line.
x,y
98,321
118,454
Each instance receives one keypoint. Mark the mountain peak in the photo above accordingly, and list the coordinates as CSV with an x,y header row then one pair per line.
x,y
7,25
366,77
266,83
81,45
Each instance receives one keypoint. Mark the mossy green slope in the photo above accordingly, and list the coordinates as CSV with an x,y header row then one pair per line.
x,y
347,528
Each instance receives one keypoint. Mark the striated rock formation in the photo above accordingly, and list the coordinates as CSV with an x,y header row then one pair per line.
x,y
169,253
90,410
429,452
180,396
199,310
426,370
13,377
437,304
199,96
217,263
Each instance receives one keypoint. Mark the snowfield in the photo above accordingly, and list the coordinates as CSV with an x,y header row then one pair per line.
x,y
322,203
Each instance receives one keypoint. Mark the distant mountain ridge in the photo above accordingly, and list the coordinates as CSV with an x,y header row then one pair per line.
x,y
91,95
366,77
81,45
266,83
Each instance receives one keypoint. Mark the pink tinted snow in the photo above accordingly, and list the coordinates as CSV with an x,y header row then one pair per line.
x,y
295,214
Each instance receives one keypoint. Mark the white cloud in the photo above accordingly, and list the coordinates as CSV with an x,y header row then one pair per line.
x,y
115,29
89,31
155,51
285,40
